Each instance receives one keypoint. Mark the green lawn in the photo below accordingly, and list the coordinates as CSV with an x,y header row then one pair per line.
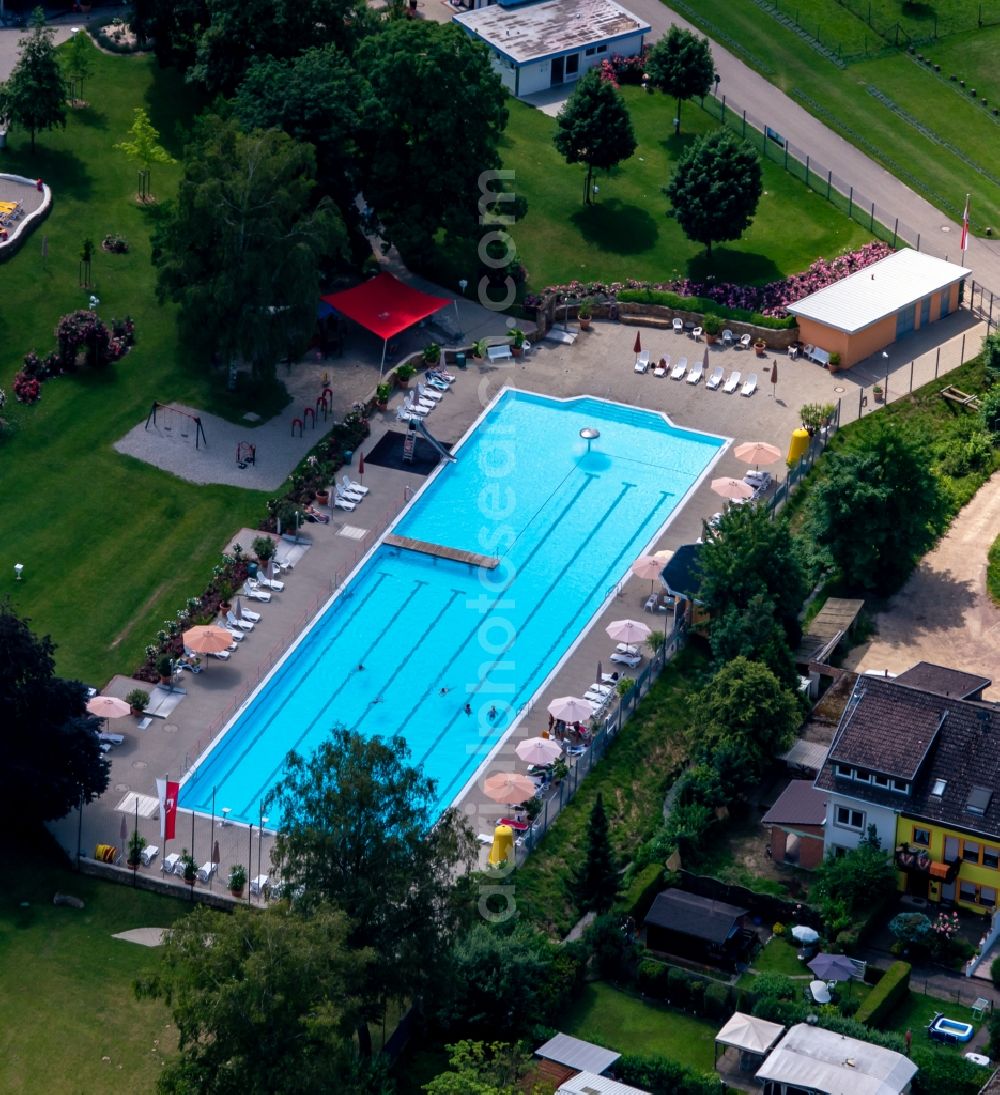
x,y
67,1001
110,546
623,1023
916,1013
843,99
780,956
627,234
633,777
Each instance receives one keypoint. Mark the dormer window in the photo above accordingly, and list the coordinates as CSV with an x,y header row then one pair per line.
x,y
978,801
937,790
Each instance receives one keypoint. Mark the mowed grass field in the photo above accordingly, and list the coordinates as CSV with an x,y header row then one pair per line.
x,y
626,233
940,141
69,1019
110,546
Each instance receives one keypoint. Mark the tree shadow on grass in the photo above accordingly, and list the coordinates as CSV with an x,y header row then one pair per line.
x,y
743,267
617,227
88,116
63,170
172,105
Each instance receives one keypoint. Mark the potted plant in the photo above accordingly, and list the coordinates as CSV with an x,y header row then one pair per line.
x,y
137,699
263,548
879,393
584,314
711,327
517,337
834,363
323,496
760,346
624,686
532,807
165,667
431,354
404,374
560,771
382,393
479,348
237,880
136,844
190,869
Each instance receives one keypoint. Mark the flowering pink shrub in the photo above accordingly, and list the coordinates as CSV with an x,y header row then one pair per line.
x,y
26,388
770,300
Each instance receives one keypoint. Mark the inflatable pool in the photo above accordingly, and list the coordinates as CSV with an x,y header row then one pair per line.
x,y
949,1030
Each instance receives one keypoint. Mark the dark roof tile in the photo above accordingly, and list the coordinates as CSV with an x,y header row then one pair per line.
x,y
929,677
689,914
799,804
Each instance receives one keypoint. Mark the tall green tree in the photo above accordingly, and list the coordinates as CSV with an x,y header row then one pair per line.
x,y
358,830
715,188
755,633
34,97
877,508
240,248
175,27
596,882
680,64
78,56
594,127
143,147
751,555
848,884
52,755
264,1003
434,134
481,1068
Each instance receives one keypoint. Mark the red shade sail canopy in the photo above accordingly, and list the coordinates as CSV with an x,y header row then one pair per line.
x,y
384,305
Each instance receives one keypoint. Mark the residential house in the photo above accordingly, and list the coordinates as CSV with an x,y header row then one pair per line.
x,y
921,765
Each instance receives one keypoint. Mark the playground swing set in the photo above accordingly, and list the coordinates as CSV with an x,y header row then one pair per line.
x,y
160,414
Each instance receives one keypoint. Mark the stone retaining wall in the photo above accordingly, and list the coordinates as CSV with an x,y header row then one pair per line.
x,y
29,222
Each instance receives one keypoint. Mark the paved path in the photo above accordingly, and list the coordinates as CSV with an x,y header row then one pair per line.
x,y
944,614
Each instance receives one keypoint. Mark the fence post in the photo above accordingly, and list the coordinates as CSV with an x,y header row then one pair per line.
x,y
871,226
850,203
961,359
786,154
744,124
937,361
763,141
912,363
895,232
918,241
829,183
807,170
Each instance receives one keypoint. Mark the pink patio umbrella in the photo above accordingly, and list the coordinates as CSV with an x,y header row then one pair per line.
x,y
108,707
648,566
508,787
538,751
628,631
207,639
733,489
571,709
757,453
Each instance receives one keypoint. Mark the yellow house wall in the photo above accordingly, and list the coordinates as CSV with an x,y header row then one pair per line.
x,y
968,872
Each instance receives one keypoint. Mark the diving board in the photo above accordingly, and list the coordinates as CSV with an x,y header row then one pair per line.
x,y
441,551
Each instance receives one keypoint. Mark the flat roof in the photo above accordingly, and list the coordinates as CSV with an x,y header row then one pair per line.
x,y
546,29
589,1083
877,291
567,1050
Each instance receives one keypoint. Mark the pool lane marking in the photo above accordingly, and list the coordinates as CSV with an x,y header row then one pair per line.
x,y
404,655
447,793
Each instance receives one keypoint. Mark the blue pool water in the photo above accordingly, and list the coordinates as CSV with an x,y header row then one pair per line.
x,y
565,525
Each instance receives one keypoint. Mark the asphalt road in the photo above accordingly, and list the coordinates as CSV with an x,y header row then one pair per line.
x,y
893,198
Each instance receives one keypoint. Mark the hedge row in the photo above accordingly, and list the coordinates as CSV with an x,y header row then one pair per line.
x,y
661,1076
638,897
886,995
705,306
688,992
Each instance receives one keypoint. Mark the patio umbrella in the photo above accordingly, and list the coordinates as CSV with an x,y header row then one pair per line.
x,y
804,934
820,992
571,709
207,639
704,360
733,489
648,566
757,452
832,967
508,787
108,707
600,673
774,377
216,858
538,751
123,831
628,631
637,348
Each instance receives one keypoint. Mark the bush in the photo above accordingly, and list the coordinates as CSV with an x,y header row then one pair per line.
x,y
775,984
717,1005
641,891
678,987
653,979
849,1006
886,995
995,972
989,412
706,307
696,995
612,949
975,453
786,1012
851,1028
951,1074
661,1076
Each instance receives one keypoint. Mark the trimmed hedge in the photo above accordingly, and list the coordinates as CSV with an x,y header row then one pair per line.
x,y
638,898
851,1028
885,996
661,1076
951,1074
706,306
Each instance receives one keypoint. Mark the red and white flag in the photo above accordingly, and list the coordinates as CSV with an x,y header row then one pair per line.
x,y
167,790
965,225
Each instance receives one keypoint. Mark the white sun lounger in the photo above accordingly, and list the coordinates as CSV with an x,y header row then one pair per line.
x,y
353,485
733,382
245,624
255,594
631,660
678,371
260,885
274,584
341,501
751,385
149,853
661,369
716,378
642,362
428,395
249,616
170,863
627,648
206,870
695,374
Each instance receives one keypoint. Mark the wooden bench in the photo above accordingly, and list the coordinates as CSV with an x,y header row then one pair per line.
x,y
814,353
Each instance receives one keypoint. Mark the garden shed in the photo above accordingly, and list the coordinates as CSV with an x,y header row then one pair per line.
x,y
694,926
796,822
538,46
875,307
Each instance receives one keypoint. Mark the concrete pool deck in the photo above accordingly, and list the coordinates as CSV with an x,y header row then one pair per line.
x,y
599,364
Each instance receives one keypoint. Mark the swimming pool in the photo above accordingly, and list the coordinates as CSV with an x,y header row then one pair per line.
x,y
562,526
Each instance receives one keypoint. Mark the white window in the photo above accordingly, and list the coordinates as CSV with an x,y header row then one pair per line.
x,y
848,818
880,781
901,785
845,770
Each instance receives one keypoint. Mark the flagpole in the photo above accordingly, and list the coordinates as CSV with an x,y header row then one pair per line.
x,y
135,831
211,840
